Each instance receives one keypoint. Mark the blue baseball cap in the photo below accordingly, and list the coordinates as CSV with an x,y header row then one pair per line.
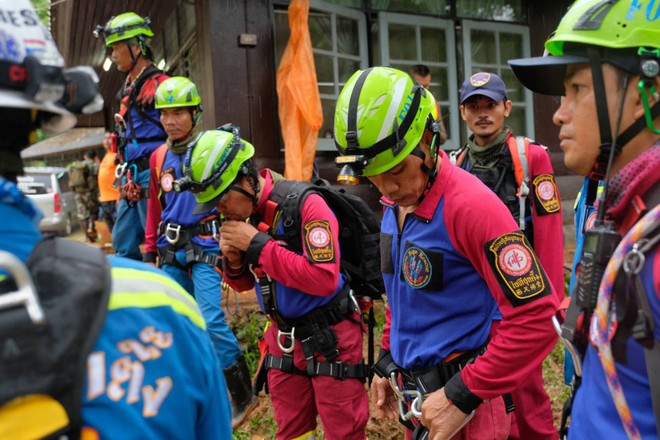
x,y
486,84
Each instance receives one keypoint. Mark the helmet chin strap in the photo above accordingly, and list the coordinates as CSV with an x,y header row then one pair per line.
x,y
612,148
134,58
607,148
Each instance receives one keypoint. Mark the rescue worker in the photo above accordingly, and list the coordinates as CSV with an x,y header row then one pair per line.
x,y
117,345
422,75
520,173
183,243
453,261
314,341
138,130
604,62
108,194
87,194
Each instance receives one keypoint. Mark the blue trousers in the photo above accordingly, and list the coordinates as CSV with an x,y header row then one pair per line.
x,y
128,233
205,284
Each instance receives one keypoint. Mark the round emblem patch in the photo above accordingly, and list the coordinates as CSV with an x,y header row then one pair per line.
x,y
479,79
515,260
546,190
166,182
319,237
417,268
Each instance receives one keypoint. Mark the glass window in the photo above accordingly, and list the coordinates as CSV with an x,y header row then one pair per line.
x,y
406,40
499,10
430,7
339,39
35,184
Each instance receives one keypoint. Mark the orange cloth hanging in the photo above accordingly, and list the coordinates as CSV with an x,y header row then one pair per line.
x,y
300,111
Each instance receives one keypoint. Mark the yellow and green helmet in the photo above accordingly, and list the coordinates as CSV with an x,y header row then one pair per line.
x,y
381,116
177,91
213,162
124,27
625,33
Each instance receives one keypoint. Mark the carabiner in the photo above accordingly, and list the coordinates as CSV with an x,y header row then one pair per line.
x,y
415,395
356,306
633,262
26,294
293,341
120,170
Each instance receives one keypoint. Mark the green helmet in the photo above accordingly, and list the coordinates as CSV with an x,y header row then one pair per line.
x,y
594,32
124,27
214,160
177,92
613,24
381,116
618,29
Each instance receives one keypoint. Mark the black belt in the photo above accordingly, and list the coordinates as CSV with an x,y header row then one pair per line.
x,y
338,370
430,379
178,234
427,379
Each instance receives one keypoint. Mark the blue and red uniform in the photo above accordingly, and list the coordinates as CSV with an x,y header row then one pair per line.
x,y
303,285
594,413
454,268
143,133
199,278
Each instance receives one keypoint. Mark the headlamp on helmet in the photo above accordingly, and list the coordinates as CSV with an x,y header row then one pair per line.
x,y
123,27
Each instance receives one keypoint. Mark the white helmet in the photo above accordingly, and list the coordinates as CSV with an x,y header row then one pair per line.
x,y
32,73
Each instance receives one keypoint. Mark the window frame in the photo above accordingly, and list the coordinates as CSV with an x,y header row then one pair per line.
x,y
508,28
447,26
353,14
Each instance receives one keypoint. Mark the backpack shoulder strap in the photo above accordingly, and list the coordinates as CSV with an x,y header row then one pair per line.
x,y
457,157
160,153
288,196
519,149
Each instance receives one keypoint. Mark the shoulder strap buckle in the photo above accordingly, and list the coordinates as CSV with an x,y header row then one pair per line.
x,y
174,229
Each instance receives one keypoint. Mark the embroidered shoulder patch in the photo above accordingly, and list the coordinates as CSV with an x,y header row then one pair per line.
x,y
319,241
517,268
546,198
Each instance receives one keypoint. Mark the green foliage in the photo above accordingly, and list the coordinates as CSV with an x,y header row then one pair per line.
x,y
553,374
249,328
259,422
43,10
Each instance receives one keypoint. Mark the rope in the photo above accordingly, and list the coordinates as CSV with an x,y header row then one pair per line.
x,y
603,327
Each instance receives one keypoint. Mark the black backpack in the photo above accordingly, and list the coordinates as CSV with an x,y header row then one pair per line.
x,y
359,235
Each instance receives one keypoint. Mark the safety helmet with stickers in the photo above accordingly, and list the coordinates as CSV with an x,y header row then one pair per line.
x,y
32,75
213,162
593,32
124,27
177,92
380,118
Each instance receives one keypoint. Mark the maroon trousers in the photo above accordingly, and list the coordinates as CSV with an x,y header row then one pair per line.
x,y
343,405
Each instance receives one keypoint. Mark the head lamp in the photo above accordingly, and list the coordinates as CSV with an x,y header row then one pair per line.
x,y
352,167
99,32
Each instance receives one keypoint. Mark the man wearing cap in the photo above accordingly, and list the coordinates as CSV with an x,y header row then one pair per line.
x,y
519,171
